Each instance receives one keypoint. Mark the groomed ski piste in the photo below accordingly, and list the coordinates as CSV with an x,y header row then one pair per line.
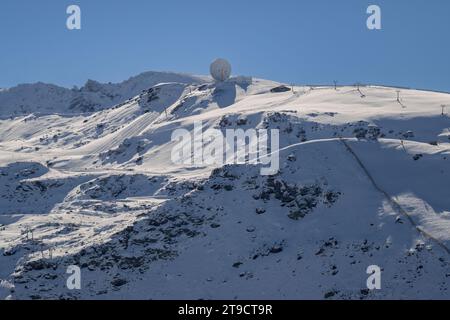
x,y
86,179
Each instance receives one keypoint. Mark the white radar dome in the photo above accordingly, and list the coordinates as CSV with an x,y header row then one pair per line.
x,y
220,70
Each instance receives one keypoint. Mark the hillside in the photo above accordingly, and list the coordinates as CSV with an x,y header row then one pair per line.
x,y
87,179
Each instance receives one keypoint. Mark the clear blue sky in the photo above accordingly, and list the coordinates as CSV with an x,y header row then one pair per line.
x,y
296,41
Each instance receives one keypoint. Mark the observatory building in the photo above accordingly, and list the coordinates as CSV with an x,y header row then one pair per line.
x,y
220,70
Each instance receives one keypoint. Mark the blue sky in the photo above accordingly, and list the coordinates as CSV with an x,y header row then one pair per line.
x,y
292,41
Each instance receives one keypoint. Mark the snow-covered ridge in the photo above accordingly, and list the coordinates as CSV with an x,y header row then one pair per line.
x,y
45,98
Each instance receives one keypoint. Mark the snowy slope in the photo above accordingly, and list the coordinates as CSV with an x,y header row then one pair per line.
x,y
364,180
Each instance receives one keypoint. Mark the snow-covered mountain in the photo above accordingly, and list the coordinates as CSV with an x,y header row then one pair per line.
x,y
41,98
86,179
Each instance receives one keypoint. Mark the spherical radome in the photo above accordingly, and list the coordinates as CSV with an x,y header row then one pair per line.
x,y
220,70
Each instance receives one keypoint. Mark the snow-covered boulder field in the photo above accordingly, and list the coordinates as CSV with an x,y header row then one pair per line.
x,y
87,179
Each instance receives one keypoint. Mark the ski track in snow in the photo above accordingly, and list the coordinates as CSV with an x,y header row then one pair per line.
x,y
131,130
394,204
